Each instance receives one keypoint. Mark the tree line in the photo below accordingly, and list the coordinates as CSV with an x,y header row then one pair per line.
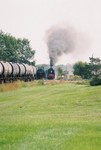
x,y
15,49
91,70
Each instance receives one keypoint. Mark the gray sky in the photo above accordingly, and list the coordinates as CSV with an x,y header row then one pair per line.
x,y
32,18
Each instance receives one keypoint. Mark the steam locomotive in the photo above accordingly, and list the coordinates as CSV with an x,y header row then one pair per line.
x,y
45,74
10,71
51,74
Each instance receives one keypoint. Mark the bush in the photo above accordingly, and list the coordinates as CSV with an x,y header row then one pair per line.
x,y
82,82
40,82
74,77
95,81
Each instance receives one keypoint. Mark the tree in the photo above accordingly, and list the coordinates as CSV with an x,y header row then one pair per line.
x,y
95,67
25,52
8,47
15,50
82,69
44,66
60,72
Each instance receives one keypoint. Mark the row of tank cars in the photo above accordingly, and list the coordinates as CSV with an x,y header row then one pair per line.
x,y
10,72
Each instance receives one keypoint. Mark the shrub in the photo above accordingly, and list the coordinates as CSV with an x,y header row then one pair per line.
x,y
95,81
40,82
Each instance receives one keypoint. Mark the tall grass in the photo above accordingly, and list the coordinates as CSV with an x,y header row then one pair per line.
x,y
15,85
20,84
9,86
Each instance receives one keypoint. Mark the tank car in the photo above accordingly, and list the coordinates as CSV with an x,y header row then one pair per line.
x,y
6,71
15,70
30,72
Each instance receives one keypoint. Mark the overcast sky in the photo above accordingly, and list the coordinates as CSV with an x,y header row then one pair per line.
x,y
32,18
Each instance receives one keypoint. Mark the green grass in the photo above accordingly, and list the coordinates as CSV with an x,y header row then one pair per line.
x,y
51,117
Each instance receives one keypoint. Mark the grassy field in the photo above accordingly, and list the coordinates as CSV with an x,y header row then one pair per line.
x,y
51,117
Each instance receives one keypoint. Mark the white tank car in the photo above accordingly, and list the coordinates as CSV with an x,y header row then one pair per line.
x,y
1,69
31,70
16,69
7,68
22,69
34,68
27,68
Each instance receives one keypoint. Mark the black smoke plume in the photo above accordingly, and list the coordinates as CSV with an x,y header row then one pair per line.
x,y
60,40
